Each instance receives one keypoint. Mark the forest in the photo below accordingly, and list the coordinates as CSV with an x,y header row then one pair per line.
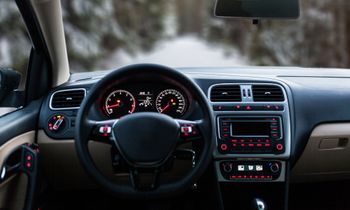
x,y
105,34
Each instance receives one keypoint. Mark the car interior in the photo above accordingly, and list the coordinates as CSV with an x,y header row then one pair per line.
x,y
87,123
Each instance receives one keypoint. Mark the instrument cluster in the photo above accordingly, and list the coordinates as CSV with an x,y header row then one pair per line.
x,y
148,97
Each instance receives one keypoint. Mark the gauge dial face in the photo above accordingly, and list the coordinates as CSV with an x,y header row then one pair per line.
x,y
171,102
119,103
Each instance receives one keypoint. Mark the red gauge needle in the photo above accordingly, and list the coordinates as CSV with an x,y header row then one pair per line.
x,y
115,105
165,108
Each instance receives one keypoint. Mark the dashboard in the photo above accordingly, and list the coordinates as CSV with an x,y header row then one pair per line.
x,y
312,98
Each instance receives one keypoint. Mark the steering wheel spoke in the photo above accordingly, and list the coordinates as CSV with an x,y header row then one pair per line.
x,y
101,131
150,184
190,130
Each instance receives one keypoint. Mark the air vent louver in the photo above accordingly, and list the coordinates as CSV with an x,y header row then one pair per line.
x,y
226,93
263,93
67,99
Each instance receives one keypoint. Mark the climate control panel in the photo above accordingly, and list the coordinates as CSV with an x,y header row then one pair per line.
x,y
251,171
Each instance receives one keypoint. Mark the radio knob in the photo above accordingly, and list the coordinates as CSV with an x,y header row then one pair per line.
x,y
274,167
227,166
279,147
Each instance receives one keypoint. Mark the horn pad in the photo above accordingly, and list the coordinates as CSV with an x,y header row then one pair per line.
x,y
146,139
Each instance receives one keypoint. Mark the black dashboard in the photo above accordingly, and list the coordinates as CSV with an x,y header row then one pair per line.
x,y
310,99
264,121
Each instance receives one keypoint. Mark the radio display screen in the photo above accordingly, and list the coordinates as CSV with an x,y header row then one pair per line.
x,y
250,129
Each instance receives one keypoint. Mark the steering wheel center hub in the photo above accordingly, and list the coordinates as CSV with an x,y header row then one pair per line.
x,y
146,139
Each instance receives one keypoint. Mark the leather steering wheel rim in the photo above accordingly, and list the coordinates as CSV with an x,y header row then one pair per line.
x,y
169,189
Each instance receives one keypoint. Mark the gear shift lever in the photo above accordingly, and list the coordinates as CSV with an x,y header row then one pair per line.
x,y
258,204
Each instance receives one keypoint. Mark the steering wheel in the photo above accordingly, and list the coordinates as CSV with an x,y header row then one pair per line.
x,y
146,141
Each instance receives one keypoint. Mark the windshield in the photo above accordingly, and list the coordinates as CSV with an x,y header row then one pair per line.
x,y
107,34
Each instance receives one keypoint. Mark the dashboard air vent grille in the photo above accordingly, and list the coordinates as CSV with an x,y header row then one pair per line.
x,y
67,99
226,93
267,93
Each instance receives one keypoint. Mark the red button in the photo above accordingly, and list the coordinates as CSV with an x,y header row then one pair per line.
x,y
259,145
28,165
223,147
234,140
279,147
267,145
29,157
251,145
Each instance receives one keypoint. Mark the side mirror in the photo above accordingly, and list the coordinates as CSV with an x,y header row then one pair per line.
x,y
9,81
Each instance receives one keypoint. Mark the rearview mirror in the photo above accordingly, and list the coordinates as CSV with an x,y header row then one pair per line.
x,y
256,9
9,81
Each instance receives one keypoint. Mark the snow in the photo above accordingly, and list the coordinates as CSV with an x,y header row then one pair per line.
x,y
185,51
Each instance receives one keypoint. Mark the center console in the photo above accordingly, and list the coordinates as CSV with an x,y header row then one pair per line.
x,y
253,142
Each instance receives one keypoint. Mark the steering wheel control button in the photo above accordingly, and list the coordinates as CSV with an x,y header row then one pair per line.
x,y
188,131
57,123
105,130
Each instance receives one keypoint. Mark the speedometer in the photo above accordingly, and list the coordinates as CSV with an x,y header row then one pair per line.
x,y
171,102
119,103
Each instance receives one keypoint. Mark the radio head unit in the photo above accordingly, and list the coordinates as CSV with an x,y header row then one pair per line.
x,y
250,134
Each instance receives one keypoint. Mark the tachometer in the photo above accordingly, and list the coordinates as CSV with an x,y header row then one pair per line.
x,y
171,102
119,103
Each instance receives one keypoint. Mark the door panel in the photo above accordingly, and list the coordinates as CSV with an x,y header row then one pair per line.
x,y
18,185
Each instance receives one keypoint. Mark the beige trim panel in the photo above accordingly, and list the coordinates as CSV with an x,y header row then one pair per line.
x,y
326,156
13,192
13,144
49,15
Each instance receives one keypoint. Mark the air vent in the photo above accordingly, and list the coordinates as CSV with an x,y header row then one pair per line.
x,y
226,93
267,93
67,99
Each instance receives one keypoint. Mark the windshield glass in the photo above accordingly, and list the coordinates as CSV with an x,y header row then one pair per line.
x,y
107,34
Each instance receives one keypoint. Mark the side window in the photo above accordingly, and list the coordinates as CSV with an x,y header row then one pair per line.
x,y
15,47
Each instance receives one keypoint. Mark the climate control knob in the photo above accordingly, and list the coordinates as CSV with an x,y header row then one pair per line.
x,y
274,167
227,167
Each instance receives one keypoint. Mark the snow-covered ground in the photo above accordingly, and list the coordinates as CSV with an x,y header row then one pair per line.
x,y
185,51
